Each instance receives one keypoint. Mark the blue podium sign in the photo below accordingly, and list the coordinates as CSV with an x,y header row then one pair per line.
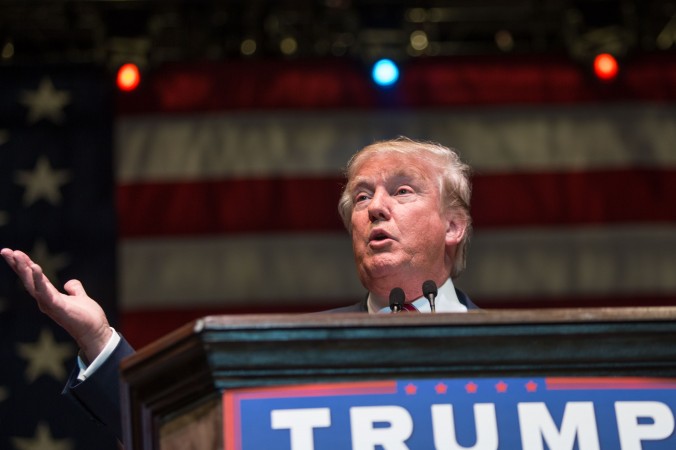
x,y
454,414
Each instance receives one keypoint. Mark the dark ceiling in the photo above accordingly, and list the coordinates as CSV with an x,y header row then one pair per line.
x,y
110,32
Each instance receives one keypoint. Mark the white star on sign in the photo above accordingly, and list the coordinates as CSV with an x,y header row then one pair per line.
x,y
45,102
43,440
42,182
51,264
45,356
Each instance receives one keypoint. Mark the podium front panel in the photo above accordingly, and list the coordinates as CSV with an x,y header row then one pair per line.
x,y
173,388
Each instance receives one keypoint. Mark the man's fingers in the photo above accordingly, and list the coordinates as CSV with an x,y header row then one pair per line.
x,y
74,287
44,291
26,275
20,261
8,254
30,273
22,257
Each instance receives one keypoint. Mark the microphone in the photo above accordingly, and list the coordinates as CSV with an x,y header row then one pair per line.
x,y
397,299
429,288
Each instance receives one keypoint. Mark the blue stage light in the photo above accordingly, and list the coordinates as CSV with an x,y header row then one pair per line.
x,y
385,72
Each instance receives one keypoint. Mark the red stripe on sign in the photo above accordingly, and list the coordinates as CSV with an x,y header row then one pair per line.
x,y
608,383
232,426
317,390
309,204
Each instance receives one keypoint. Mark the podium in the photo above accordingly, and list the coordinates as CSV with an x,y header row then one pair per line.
x,y
172,390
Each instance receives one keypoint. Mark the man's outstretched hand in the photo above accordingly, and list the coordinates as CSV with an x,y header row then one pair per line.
x,y
75,311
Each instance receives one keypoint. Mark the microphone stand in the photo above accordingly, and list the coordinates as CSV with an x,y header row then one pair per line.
x,y
430,291
397,299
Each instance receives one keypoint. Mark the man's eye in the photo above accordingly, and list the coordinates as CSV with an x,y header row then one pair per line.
x,y
361,198
403,191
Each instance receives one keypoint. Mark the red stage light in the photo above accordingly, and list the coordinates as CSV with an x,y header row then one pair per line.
x,y
128,77
605,66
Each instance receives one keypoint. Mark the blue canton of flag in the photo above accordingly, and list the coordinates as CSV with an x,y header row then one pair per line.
x,y
56,204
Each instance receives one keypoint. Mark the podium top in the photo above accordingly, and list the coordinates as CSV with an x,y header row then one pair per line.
x,y
548,341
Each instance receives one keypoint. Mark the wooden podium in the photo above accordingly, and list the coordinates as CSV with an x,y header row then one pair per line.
x,y
172,389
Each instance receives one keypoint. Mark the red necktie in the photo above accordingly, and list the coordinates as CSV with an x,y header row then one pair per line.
x,y
408,307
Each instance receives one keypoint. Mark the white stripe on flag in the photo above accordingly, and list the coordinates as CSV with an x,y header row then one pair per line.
x,y
611,260
295,269
245,144
241,270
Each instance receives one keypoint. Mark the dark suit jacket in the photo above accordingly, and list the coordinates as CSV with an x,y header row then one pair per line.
x,y
99,396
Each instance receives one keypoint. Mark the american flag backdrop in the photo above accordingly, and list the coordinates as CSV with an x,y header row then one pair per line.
x,y
229,175
57,204
225,179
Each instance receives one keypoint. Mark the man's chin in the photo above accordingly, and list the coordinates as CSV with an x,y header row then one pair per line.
x,y
382,268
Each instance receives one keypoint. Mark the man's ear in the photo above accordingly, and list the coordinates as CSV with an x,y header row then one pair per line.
x,y
455,229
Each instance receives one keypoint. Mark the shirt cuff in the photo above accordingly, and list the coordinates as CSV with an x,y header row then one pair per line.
x,y
88,371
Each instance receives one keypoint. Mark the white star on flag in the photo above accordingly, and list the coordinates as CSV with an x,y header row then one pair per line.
x,y
4,136
51,263
45,102
46,356
43,440
42,182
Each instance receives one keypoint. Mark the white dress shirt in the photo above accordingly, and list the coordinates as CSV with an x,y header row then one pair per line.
x,y
87,370
445,301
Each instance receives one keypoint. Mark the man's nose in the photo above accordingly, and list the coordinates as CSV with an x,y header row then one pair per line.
x,y
379,206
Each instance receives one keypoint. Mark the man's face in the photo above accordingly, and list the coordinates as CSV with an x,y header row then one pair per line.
x,y
399,235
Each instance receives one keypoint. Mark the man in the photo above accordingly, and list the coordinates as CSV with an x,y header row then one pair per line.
x,y
406,206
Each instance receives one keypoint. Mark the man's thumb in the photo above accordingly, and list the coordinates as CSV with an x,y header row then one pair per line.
x,y
74,287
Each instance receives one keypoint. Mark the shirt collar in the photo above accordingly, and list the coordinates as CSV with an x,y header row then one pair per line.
x,y
446,301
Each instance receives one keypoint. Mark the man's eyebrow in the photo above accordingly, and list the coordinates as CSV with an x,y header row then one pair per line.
x,y
403,174
408,172
358,182
408,175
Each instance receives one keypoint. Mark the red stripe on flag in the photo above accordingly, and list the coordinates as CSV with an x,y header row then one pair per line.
x,y
309,204
570,198
236,85
528,80
316,84
134,323
577,301
281,204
